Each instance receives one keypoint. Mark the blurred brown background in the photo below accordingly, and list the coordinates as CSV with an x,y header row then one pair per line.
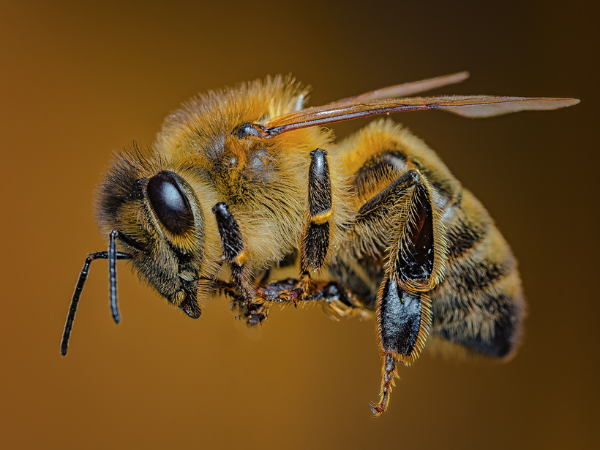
x,y
79,81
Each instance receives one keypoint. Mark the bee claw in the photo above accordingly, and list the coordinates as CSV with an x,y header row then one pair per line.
x,y
377,410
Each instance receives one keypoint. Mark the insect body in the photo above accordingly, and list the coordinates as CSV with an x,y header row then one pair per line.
x,y
243,182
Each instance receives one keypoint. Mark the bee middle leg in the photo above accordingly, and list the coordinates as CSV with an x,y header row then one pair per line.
x,y
340,300
415,257
315,240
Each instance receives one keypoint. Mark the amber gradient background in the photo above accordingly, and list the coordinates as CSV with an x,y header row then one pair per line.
x,y
77,82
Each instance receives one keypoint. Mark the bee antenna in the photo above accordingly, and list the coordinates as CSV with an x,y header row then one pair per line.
x,y
112,255
112,275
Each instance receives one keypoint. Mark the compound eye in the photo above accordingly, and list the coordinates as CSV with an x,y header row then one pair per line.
x,y
170,203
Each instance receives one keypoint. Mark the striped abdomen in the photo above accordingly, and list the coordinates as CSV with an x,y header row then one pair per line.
x,y
480,302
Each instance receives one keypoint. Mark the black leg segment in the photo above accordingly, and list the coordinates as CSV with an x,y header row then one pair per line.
x,y
315,242
231,235
319,186
417,249
404,321
234,253
232,243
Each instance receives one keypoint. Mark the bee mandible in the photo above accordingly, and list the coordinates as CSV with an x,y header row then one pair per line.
x,y
243,183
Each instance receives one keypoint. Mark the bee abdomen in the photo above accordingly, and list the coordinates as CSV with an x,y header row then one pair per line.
x,y
480,302
494,332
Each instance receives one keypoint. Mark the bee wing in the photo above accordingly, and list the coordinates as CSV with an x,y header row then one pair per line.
x,y
403,90
507,105
468,106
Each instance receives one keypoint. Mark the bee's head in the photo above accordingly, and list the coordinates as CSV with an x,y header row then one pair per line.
x,y
160,222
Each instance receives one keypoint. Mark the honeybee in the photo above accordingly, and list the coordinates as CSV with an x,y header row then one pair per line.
x,y
243,184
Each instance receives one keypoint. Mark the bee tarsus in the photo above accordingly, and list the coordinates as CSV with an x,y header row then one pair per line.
x,y
389,374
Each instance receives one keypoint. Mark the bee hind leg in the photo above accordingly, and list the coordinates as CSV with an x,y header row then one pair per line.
x,y
415,263
403,320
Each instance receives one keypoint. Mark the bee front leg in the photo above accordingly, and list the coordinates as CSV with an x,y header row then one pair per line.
x,y
415,265
242,289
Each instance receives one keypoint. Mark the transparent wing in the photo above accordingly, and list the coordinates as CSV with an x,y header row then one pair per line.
x,y
468,106
403,90
513,104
